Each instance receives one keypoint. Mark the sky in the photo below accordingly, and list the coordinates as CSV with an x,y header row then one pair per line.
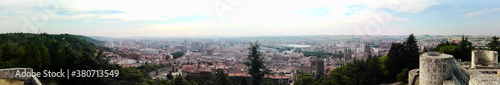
x,y
166,18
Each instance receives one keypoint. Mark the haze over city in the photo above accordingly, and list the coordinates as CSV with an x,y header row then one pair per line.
x,y
166,18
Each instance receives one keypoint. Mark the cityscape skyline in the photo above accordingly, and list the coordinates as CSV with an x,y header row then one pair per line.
x,y
240,18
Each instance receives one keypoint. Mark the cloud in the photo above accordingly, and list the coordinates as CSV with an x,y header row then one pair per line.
x,y
251,16
484,11
400,19
410,6
65,12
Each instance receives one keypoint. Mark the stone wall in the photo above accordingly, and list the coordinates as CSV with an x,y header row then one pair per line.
x,y
484,58
434,68
484,80
11,72
413,76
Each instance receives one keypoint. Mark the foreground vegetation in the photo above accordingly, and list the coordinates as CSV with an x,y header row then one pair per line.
x,y
64,51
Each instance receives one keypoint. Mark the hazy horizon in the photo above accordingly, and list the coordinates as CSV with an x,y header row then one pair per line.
x,y
249,18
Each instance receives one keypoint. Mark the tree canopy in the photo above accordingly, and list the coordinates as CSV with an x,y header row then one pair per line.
x,y
256,69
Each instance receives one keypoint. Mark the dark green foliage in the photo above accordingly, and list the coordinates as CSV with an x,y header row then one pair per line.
x,y
158,82
64,51
7,50
373,70
193,82
134,76
402,56
244,81
1,54
170,76
464,49
494,45
221,77
305,79
321,54
88,39
403,75
460,51
256,65
395,62
147,67
208,83
177,54
411,52
179,80
358,73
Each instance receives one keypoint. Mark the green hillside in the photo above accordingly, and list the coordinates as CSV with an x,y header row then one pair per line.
x,y
63,51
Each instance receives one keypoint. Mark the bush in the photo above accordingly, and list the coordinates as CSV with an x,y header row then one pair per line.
x,y
403,75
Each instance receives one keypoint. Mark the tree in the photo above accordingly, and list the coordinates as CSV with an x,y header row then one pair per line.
x,y
339,79
193,83
44,52
464,49
221,77
8,51
256,69
305,79
395,61
494,44
179,80
402,55
403,75
411,52
177,54
1,54
243,81
170,76
209,83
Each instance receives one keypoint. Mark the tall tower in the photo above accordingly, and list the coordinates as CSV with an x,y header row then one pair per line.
x,y
347,55
317,67
368,51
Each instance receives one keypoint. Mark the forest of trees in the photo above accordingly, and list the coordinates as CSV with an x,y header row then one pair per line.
x,y
461,50
392,67
63,51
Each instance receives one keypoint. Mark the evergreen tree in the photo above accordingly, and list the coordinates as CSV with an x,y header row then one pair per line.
x,y
395,62
221,77
256,69
411,52
494,45
45,56
243,81
1,54
8,51
464,49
